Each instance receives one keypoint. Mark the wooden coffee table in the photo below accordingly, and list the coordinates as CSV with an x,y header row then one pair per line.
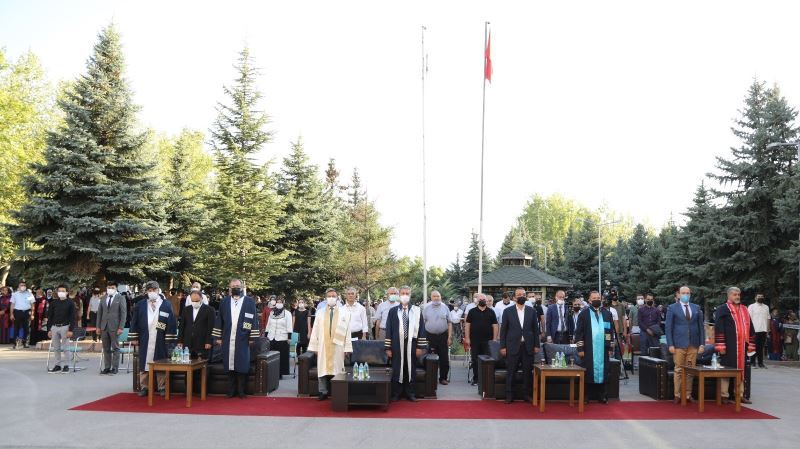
x,y
188,369
346,391
700,373
542,372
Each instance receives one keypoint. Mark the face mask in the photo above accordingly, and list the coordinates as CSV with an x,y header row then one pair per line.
x,y
196,304
481,303
236,291
279,306
111,291
301,307
404,299
23,288
49,295
576,308
595,303
684,299
521,300
639,302
331,301
760,299
62,295
650,303
560,302
152,296
393,298
436,302
195,289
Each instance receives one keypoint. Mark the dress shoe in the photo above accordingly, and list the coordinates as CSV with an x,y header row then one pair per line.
x,y
604,400
395,398
746,401
474,383
760,366
527,399
114,371
677,400
242,395
443,381
690,400
105,371
322,397
162,393
509,400
142,393
413,398
230,394
65,369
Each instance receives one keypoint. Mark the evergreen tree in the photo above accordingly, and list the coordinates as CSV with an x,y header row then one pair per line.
x,y
242,240
512,242
307,227
471,262
788,220
94,211
355,193
640,243
455,276
751,241
580,257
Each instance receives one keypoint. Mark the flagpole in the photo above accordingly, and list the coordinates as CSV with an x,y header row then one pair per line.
x,y
424,205
483,121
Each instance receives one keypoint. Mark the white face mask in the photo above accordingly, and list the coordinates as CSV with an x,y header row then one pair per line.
x,y
560,302
279,306
301,307
272,304
195,289
436,302
392,298
331,301
62,295
23,288
404,299
196,304
639,302
111,291
152,296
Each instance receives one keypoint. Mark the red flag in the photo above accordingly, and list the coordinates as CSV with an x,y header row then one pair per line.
x,y
487,62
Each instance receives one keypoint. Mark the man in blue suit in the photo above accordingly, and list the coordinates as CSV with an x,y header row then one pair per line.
x,y
557,321
235,329
685,337
519,342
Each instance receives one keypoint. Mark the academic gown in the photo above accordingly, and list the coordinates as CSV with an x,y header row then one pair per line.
x,y
405,358
330,341
165,327
585,339
734,334
245,330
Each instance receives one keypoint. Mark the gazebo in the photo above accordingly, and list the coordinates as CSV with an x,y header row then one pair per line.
x,y
516,271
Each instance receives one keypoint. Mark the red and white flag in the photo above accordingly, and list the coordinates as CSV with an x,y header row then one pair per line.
x,y
487,62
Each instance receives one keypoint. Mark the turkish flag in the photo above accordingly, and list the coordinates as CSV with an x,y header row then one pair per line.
x,y
487,62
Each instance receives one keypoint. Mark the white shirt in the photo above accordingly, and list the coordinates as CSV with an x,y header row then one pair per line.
x,y
562,326
759,315
521,316
614,314
684,309
358,317
152,314
22,300
382,312
499,308
455,315
279,328
194,313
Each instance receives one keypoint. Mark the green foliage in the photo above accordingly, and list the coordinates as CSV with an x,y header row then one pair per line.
x,y
471,261
93,208
245,210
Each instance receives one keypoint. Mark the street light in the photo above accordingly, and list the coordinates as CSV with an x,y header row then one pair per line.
x,y
599,254
544,246
795,144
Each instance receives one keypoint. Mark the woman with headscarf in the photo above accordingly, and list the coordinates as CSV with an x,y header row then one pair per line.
x,y
279,327
5,307
39,321
301,326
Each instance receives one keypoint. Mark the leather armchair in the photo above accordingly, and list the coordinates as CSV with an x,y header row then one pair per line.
x,y
493,374
657,371
262,379
373,353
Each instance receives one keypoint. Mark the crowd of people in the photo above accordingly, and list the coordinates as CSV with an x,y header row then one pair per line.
x,y
599,325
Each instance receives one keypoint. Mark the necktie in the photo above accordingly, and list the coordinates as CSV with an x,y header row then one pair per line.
x,y
108,303
405,322
560,319
330,320
153,306
686,312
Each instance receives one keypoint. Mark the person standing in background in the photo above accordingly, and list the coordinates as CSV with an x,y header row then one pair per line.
x,y
21,311
302,323
112,311
775,336
759,315
279,327
5,309
94,304
440,332
790,336
39,321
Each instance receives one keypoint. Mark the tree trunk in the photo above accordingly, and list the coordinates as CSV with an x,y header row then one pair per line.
x,y
4,273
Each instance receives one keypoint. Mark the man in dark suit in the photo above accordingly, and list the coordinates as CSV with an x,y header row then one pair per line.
x,y
557,321
110,321
686,336
519,341
197,323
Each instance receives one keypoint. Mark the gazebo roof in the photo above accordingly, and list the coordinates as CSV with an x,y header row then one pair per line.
x,y
516,254
518,275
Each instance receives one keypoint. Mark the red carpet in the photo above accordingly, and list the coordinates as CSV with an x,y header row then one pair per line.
x,y
424,409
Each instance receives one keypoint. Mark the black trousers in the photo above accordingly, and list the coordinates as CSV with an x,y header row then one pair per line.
x,y
761,341
477,347
561,338
596,391
358,335
283,348
237,383
437,343
22,322
512,363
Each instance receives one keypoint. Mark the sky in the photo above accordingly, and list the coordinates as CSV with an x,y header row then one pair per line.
x,y
616,103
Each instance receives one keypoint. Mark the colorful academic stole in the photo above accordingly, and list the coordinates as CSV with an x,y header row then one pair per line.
x,y
741,319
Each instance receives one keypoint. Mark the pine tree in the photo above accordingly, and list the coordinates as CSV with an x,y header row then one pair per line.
x,y
242,240
639,245
471,262
751,242
94,210
454,275
307,227
355,193
580,257
788,220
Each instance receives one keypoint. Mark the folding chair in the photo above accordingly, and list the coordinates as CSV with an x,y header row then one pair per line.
x,y
125,348
293,352
78,334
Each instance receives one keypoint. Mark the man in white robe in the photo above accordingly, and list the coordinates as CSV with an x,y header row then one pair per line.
x,y
330,340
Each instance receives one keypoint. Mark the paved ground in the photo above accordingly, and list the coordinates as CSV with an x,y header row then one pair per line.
x,y
36,414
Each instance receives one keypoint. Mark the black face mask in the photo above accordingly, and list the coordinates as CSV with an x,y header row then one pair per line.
x,y
521,300
649,303
760,299
236,291
576,308
595,303
481,303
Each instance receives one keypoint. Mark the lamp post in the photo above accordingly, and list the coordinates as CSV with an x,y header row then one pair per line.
x,y
544,246
599,254
795,144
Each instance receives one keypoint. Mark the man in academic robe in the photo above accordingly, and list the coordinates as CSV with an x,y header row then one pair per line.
x,y
153,327
405,340
235,329
330,340
594,334
197,323
735,338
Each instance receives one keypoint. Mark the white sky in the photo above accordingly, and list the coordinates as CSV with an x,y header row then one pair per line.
x,y
623,103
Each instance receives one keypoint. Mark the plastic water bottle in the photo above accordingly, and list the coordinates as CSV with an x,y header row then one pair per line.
x,y
714,361
357,371
172,357
186,355
361,372
366,370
